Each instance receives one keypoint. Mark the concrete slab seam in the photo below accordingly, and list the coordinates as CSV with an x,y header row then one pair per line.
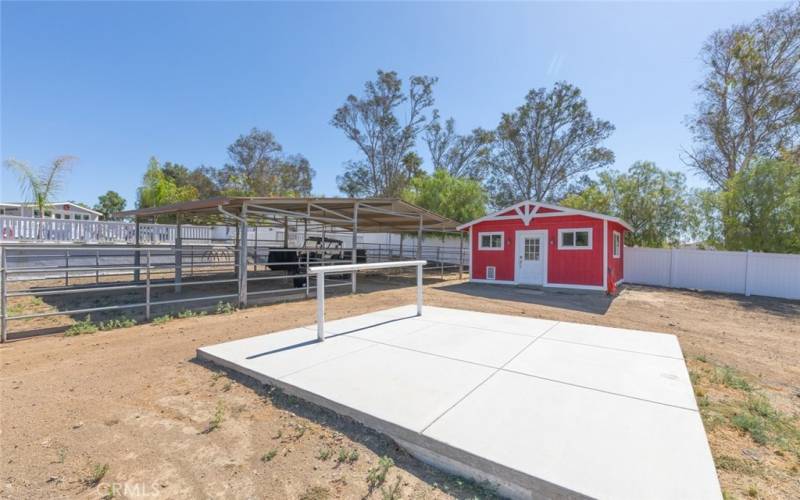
x,y
615,349
487,378
596,389
325,361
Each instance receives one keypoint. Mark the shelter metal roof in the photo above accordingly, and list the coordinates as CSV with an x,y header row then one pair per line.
x,y
373,214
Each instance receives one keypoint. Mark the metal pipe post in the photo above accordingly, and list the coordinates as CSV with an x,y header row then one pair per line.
x,y
97,265
3,296
419,239
243,258
305,247
137,257
354,258
178,254
419,289
147,290
66,266
321,306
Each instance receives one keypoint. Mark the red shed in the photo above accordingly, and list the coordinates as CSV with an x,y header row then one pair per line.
x,y
535,243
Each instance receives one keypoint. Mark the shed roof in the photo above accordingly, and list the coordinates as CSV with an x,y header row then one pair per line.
x,y
373,214
527,210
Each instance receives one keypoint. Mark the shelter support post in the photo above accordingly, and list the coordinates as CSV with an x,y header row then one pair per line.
x,y
137,256
178,253
243,257
147,290
354,256
308,256
236,250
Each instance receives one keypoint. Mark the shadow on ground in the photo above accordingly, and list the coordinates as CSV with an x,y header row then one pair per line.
x,y
590,301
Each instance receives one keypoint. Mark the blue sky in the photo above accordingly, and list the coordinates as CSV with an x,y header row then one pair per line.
x,y
114,83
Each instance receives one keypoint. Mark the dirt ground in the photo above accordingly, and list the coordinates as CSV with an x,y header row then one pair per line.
x,y
131,413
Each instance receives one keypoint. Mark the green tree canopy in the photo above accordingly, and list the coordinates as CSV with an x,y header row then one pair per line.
x,y
110,203
542,145
761,208
655,202
159,189
458,198
259,168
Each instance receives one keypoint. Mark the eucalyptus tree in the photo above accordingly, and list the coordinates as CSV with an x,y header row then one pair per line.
x,y
384,124
459,155
549,140
749,99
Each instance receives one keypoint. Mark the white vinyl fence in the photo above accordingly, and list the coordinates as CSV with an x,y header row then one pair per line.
x,y
748,273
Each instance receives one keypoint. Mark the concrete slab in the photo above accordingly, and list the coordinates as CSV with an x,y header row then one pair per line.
x,y
645,376
403,387
592,443
660,344
542,409
532,327
272,356
473,345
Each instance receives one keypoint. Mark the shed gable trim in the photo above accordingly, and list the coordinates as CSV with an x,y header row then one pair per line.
x,y
526,211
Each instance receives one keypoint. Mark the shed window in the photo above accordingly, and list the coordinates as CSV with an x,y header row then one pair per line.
x,y
490,241
575,239
617,244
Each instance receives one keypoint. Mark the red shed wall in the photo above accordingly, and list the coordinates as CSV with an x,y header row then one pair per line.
x,y
566,267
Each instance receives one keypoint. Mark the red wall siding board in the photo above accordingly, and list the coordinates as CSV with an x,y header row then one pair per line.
x,y
567,267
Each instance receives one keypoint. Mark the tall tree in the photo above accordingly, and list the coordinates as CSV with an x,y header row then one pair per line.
x,y
460,155
547,141
458,198
201,178
158,189
258,168
110,203
40,185
761,208
750,97
655,202
372,123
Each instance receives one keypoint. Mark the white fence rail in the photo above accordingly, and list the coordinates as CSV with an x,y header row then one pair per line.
x,y
13,228
748,273
320,271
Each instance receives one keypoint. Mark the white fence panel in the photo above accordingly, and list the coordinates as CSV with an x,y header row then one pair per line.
x,y
767,274
774,275
713,271
647,266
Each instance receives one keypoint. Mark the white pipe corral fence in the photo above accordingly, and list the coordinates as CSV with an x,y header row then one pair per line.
x,y
747,273
320,271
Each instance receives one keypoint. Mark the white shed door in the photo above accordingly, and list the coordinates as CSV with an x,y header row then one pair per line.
x,y
531,257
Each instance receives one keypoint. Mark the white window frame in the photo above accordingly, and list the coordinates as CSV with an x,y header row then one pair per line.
x,y
490,234
616,244
575,230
